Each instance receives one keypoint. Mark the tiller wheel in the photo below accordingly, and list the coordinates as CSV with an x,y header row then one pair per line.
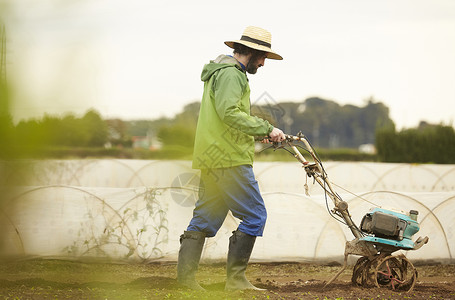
x,y
361,273
387,271
395,272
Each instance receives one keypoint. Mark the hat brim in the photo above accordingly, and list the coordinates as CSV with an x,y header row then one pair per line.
x,y
270,53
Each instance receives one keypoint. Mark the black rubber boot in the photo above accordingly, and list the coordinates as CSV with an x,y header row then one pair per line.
x,y
191,244
240,248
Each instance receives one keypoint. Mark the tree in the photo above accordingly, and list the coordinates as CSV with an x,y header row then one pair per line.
x,y
176,135
118,135
93,124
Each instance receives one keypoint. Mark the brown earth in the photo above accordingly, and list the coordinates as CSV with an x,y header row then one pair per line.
x,y
60,279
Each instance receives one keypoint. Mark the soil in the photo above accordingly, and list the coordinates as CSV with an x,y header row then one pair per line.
x,y
60,279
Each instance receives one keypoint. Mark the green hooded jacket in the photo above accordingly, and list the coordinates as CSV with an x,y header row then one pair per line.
x,y
225,129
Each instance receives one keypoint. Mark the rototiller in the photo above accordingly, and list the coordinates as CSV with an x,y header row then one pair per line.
x,y
381,232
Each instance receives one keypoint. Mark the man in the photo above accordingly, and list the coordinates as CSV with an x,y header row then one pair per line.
x,y
224,151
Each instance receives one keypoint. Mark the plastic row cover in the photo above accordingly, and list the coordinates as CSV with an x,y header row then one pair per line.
x,y
273,177
145,223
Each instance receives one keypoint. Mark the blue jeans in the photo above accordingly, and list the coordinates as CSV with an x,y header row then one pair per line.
x,y
224,189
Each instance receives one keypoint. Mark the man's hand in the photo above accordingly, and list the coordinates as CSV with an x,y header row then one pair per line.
x,y
277,135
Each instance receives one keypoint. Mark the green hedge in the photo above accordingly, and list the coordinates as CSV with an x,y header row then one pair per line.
x,y
427,144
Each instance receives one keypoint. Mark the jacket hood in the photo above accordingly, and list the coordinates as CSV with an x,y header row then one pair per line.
x,y
221,62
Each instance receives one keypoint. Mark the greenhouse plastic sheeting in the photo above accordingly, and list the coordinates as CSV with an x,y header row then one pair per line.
x,y
136,210
273,176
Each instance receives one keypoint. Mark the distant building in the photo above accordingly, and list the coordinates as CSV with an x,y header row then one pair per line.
x,y
367,148
146,142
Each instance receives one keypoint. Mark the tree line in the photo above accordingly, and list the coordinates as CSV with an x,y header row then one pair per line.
x,y
327,124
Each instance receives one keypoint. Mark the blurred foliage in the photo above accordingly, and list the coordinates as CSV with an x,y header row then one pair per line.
x,y
182,130
145,127
425,144
177,135
6,130
89,131
6,122
118,135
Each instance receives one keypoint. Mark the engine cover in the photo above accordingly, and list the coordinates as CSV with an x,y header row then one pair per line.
x,y
387,224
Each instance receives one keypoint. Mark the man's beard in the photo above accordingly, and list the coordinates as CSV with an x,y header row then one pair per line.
x,y
252,67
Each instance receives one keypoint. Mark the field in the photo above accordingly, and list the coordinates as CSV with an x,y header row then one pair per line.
x,y
60,279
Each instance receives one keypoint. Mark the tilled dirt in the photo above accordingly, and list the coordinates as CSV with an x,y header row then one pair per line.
x,y
59,279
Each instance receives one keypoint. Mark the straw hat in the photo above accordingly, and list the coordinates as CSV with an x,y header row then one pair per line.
x,y
257,38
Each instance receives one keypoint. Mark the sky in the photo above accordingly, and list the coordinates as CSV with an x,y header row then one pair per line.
x,y
142,59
